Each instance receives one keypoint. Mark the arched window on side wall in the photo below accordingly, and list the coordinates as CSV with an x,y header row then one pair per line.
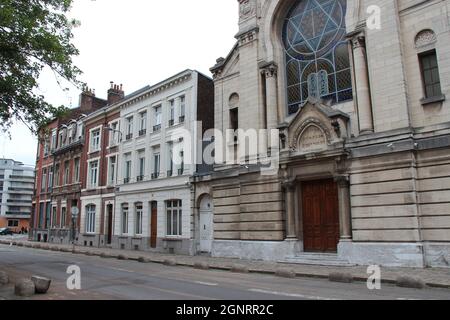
x,y
425,43
316,52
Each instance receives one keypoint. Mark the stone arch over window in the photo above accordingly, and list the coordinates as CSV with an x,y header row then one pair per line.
x,y
233,103
316,53
425,38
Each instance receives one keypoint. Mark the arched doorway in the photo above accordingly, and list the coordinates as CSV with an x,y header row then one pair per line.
x,y
206,223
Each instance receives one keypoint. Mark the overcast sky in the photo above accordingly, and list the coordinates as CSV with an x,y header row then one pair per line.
x,y
135,43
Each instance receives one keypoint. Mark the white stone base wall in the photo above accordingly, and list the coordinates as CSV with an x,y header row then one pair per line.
x,y
383,254
182,246
255,250
437,254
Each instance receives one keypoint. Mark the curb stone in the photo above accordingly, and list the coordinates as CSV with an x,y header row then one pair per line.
x,y
283,273
201,266
410,282
239,269
340,277
169,262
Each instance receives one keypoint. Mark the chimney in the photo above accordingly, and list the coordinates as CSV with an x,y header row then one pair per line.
x,y
87,98
115,93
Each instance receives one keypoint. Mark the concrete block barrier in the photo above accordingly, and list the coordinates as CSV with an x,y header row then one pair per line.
x,y
4,278
41,284
24,288
122,257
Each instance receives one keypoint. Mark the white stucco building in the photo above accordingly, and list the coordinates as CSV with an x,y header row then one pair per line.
x,y
157,157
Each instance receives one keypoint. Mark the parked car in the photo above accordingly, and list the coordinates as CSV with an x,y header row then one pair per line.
x,y
6,232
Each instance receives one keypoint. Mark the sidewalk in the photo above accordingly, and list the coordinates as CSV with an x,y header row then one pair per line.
x,y
436,277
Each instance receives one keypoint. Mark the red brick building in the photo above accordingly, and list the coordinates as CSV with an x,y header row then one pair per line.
x,y
101,154
61,169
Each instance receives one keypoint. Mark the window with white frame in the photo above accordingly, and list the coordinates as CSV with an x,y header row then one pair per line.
x,y
114,134
57,176
54,217
93,174
50,179
138,220
66,173
53,141
76,174
63,217
129,127
141,163
158,117
182,108
170,159
125,218
60,139
127,171
174,216
112,170
90,218
171,112
142,123
44,180
156,164
95,140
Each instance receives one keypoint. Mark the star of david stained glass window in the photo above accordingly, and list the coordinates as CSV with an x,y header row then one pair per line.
x,y
317,58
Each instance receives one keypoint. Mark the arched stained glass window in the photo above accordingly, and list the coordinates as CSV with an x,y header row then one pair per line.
x,y
317,58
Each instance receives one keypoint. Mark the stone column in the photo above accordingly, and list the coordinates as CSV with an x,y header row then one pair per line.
x,y
271,96
362,85
289,188
270,72
344,207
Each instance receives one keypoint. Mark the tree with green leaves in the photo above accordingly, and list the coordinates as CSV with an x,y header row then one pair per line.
x,y
34,34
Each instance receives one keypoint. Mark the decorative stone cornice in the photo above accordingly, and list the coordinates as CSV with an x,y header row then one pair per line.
x,y
158,88
247,36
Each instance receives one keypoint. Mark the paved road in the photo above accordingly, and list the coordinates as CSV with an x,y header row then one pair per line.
x,y
114,279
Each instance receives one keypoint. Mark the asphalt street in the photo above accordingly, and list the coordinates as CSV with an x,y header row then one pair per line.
x,y
105,279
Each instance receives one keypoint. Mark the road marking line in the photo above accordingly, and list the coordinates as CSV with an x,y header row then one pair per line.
x,y
206,283
293,295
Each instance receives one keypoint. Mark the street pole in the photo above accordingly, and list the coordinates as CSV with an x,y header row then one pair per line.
x,y
75,212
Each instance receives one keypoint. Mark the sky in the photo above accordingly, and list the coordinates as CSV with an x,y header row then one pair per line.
x,y
134,43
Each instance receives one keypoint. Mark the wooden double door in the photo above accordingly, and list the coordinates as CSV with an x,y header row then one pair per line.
x,y
320,212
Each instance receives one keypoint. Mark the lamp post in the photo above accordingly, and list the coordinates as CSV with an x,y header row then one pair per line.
x,y
114,130
75,212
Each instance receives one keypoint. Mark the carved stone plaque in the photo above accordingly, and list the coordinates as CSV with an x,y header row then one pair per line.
x,y
312,140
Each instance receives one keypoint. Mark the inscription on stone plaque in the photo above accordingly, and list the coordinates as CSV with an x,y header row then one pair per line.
x,y
312,139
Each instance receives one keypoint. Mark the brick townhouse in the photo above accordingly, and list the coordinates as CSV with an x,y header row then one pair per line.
x,y
61,170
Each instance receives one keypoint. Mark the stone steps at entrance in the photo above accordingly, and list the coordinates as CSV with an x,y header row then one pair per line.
x,y
318,259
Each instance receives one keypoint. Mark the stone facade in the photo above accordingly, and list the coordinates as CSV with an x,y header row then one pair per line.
x,y
387,149
173,110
